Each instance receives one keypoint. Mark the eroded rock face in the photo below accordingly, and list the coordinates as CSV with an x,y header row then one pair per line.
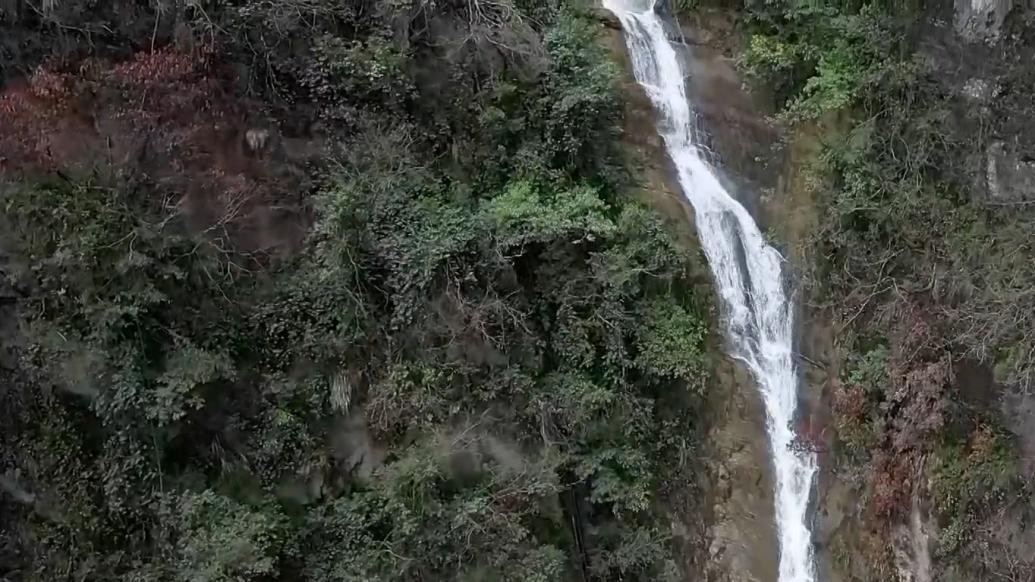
x,y
911,545
1010,177
741,540
981,20
728,534
606,17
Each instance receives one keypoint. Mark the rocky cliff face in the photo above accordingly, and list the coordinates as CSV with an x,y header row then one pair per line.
x,y
981,20
727,533
985,49
987,58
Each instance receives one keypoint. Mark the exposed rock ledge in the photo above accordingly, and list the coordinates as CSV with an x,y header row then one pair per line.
x,y
1010,177
982,20
607,18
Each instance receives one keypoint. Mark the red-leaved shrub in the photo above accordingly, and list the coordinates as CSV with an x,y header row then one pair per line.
x,y
166,123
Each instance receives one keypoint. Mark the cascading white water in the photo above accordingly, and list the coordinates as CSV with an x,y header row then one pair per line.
x,y
749,277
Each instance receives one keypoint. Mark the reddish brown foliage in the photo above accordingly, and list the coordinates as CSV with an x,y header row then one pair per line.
x,y
152,70
41,122
921,372
922,403
913,408
167,120
891,483
849,402
983,444
173,98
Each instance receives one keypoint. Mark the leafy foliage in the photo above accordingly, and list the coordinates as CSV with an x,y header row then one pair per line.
x,y
440,511
912,249
819,57
336,291
669,344
224,540
522,217
969,479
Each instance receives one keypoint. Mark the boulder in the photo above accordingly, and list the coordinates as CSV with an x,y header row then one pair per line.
x,y
606,17
1010,177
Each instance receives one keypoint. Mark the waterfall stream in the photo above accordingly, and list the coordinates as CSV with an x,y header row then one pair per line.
x,y
749,276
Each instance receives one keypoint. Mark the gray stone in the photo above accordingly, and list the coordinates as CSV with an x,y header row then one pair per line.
x,y
981,20
911,545
1010,179
606,17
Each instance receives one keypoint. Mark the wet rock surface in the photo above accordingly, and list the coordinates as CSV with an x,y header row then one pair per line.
x,y
646,149
744,142
742,536
982,50
981,20
728,534
606,17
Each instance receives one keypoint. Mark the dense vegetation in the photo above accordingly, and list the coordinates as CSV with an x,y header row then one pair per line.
x,y
330,290
925,267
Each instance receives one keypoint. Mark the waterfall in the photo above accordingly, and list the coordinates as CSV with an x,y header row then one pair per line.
x,y
749,277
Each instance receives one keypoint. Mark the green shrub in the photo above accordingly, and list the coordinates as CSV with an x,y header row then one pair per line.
x,y
670,344
476,322
222,540
970,481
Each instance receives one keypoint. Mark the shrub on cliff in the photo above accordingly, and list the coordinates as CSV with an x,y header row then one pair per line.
x,y
441,376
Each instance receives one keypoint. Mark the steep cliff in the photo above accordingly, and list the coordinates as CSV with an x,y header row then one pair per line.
x,y
334,290
728,529
893,157
907,197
